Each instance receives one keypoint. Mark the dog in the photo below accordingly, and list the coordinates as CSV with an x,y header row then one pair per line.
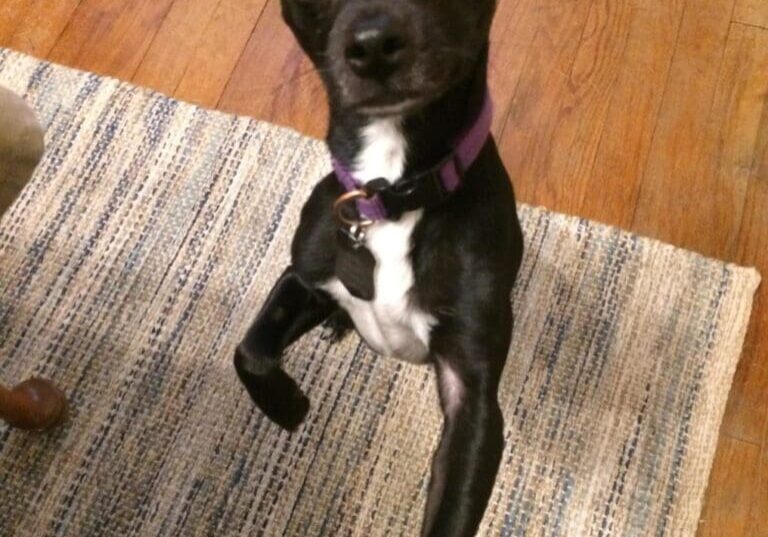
x,y
414,238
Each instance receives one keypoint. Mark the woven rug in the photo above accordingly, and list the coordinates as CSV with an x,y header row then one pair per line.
x,y
137,257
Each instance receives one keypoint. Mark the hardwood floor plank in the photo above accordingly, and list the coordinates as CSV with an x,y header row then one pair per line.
x,y
684,199
542,103
275,81
12,12
753,248
737,119
110,36
747,413
727,508
613,185
175,44
91,21
219,50
760,166
596,68
514,27
40,25
752,12
758,519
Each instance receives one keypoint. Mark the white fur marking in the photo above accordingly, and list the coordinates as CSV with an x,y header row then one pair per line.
x,y
390,323
383,152
452,389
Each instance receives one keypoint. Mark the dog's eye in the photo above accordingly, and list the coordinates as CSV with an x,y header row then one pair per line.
x,y
312,8
309,4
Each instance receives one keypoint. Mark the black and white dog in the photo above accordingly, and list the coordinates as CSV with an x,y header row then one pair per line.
x,y
414,238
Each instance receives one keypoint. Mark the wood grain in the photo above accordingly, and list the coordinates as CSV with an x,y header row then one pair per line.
x,y
727,509
175,44
752,12
541,102
40,25
583,105
747,413
511,38
736,121
274,80
758,519
630,122
751,391
12,13
681,200
755,233
110,36
211,66
742,140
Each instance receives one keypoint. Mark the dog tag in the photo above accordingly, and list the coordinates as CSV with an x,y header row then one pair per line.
x,y
355,263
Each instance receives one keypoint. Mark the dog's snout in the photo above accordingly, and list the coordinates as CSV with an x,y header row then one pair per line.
x,y
377,45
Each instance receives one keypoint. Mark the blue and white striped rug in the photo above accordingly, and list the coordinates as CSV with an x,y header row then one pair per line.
x,y
136,258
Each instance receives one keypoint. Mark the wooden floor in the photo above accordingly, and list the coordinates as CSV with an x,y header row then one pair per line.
x,y
647,114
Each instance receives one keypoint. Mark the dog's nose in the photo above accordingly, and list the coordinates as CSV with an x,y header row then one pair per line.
x,y
376,46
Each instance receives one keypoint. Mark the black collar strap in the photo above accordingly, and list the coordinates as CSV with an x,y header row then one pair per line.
x,y
379,199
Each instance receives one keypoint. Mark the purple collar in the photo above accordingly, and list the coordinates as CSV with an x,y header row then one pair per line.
x,y
378,199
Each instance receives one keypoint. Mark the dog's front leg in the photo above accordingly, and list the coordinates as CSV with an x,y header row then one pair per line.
x,y
466,461
292,308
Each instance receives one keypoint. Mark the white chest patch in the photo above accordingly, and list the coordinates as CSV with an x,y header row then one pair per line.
x,y
390,323
383,153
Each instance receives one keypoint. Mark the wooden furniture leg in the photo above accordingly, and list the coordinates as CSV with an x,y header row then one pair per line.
x,y
35,404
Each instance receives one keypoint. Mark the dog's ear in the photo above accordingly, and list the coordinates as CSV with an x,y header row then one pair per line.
x,y
289,10
305,19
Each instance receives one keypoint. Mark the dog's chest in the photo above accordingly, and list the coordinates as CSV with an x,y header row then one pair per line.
x,y
390,323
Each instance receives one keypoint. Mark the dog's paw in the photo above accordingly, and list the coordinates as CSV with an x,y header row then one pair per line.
x,y
281,400
275,393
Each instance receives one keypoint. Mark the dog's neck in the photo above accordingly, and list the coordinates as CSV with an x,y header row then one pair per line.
x,y
426,136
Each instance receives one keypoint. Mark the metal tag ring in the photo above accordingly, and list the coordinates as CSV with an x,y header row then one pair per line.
x,y
338,206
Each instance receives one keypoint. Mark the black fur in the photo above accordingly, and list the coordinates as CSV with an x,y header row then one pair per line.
x,y
465,253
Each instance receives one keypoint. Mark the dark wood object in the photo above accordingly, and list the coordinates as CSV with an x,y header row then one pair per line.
x,y
35,405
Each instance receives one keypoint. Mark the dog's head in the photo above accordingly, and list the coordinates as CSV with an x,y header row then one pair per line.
x,y
383,57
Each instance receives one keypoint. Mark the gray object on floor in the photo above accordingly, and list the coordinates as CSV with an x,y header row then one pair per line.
x,y
21,146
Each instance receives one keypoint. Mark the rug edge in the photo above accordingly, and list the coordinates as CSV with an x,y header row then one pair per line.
x,y
151,92
686,524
